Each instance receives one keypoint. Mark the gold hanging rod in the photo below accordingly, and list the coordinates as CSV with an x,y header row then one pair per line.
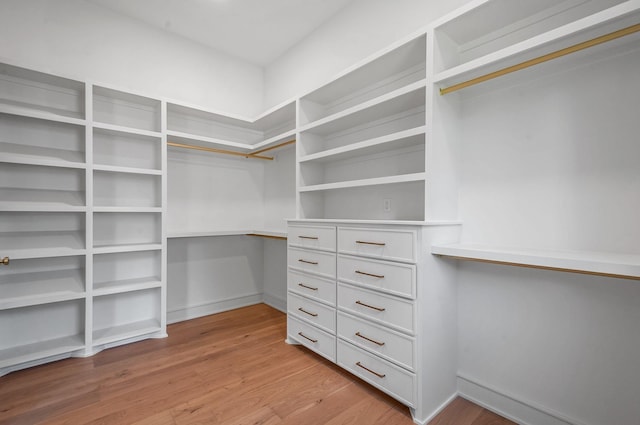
x,y
222,151
262,235
544,58
274,147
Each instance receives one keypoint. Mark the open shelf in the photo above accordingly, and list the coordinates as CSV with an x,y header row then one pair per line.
x,y
124,272
41,331
121,316
35,142
32,93
40,281
397,67
126,112
378,181
625,266
539,29
126,228
113,189
126,151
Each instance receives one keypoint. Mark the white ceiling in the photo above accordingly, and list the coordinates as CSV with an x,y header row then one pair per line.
x,y
257,31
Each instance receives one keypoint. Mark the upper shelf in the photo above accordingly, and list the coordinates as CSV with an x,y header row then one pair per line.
x,y
626,266
117,110
539,29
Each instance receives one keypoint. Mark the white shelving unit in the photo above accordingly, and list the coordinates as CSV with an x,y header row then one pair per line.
x,y
362,136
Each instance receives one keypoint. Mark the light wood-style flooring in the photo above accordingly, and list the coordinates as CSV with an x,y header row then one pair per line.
x,y
227,368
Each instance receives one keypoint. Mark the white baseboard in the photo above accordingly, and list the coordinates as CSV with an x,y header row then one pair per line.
x,y
191,312
433,414
275,302
520,411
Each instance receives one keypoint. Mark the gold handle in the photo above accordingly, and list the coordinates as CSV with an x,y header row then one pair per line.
x,y
369,339
306,337
306,312
315,238
5,261
308,287
370,306
379,375
371,243
315,263
379,276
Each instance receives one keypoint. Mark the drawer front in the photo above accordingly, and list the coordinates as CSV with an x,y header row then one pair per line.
x,y
312,338
396,245
391,345
312,287
387,310
313,237
395,381
320,315
394,278
316,262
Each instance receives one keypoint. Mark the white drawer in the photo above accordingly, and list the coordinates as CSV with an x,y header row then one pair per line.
x,y
391,345
312,338
312,287
316,262
394,278
318,314
385,309
313,237
395,381
396,245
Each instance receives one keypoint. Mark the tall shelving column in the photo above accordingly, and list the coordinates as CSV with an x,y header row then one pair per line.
x,y
43,203
128,250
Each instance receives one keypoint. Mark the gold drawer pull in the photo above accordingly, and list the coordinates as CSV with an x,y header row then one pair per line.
x,y
315,263
315,238
370,306
306,312
5,261
307,287
369,339
306,337
379,276
371,243
379,375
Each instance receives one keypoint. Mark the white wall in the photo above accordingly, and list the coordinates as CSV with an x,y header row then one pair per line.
x,y
84,41
358,31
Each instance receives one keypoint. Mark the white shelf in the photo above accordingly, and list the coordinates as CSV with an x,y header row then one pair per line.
x,y
123,332
404,178
34,155
600,23
398,140
280,138
25,110
126,285
39,244
130,170
129,130
112,249
39,200
40,350
376,222
599,263
127,209
191,139
406,98
37,299
214,233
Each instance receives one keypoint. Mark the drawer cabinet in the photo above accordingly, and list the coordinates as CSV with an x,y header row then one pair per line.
x,y
313,237
390,378
309,261
395,245
312,337
316,288
311,311
385,276
394,312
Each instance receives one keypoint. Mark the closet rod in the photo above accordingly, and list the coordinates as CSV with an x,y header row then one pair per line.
x,y
544,58
274,147
222,151
261,235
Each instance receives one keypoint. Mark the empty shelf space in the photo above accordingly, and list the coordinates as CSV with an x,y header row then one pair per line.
x,y
126,285
114,189
126,112
40,350
404,178
130,170
393,103
116,248
598,263
207,142
126,152
41,200
413,137
126,130
37,155
122,332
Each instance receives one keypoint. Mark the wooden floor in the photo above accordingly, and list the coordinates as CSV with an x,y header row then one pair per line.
x,y
228,368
